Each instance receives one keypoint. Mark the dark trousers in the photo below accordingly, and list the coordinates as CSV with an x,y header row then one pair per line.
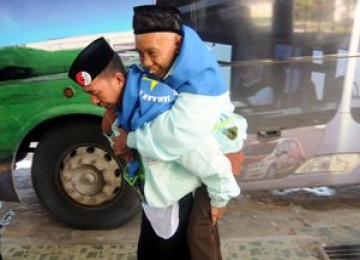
x,y
203,237
151,247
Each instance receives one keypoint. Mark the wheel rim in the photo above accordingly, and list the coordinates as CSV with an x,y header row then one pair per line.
x,y
90,175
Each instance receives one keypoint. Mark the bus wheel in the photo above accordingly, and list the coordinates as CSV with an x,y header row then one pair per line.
x,y
79,181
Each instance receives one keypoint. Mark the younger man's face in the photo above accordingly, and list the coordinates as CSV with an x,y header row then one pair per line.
x,y
157,51
106,90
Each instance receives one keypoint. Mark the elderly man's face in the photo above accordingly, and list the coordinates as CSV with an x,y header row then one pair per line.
x,y
107,90
157,51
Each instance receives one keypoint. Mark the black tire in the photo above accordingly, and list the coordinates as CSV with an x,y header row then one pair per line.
x,y
79,181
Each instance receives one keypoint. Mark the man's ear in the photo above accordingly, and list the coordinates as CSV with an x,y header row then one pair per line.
x,y
120,78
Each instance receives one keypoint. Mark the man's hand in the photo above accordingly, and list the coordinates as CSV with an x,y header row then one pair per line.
x,y
120,147
216,214
108,119
236,160
129,156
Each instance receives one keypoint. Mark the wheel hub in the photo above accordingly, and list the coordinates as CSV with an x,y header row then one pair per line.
x,y
90,176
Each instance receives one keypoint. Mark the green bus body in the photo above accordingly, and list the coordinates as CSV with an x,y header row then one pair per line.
x,y
27,104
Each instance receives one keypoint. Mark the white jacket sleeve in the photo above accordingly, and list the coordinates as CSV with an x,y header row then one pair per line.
x,y
208,163
178,130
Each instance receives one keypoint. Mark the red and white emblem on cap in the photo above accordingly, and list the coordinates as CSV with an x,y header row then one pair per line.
x,y
83,78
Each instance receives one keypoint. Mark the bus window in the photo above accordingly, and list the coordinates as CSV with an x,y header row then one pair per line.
x,y
355,104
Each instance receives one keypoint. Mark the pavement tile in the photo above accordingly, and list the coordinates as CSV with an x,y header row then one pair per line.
x,y
294,248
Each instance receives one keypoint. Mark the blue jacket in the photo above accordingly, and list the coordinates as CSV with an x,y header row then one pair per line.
x,y
144,98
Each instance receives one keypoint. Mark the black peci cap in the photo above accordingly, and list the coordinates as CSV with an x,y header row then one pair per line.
x,y
91,61
156,18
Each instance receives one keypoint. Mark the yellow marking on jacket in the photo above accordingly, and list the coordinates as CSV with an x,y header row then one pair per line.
x,y
153,82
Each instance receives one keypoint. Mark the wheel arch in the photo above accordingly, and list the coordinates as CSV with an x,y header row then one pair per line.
x,y
35,134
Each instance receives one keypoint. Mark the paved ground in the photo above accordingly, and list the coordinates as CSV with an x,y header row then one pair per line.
x,y
31,234
256,226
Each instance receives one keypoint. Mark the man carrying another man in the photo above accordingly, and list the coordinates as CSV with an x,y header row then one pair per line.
x,y
164,47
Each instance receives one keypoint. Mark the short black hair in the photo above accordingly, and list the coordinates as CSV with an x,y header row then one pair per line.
x,y
115,65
